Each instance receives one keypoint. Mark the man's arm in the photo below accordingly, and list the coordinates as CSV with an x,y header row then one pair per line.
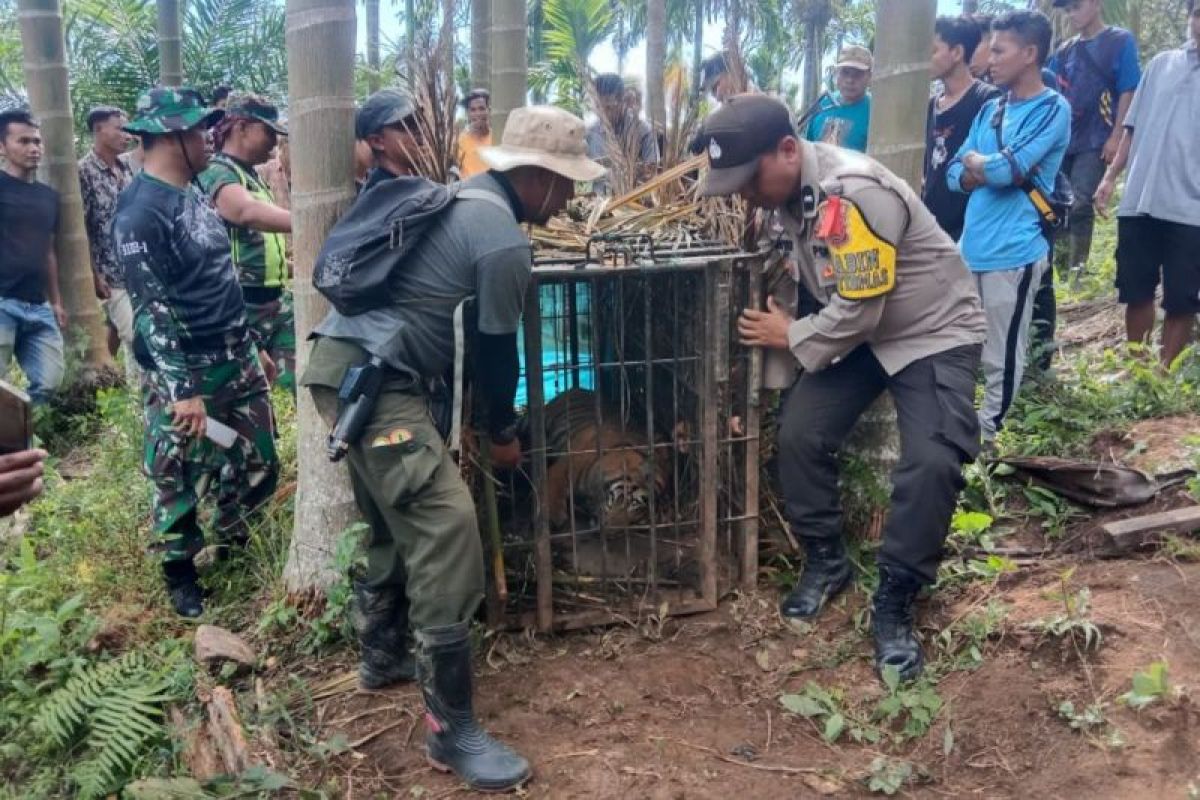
x,y
499,372
844,323
1045,129
237,207
1129,74
501,279
52,291
1108,184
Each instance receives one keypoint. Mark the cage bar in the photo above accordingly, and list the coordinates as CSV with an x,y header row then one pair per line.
x,y
640,496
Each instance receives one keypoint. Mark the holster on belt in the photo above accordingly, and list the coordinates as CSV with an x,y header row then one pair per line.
x,y
356,403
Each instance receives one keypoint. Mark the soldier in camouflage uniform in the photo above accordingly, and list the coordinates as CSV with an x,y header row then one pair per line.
x,y
256,224
202,362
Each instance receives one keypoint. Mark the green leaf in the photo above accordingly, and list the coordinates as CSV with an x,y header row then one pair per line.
x,y
891,677
834,727
971,523
801,704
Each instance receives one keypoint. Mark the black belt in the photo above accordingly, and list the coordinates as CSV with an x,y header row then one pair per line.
x,y
213,342
261,295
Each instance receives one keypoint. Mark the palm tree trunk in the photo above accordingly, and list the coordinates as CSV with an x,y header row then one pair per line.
x,y
537,47
481,53
170,58
41,25
410,31
814,36
373,77
320,48
897,133
897,140
656,62
510,72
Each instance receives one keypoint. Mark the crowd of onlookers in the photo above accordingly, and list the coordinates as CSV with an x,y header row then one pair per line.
x,y
1025,141
1012,122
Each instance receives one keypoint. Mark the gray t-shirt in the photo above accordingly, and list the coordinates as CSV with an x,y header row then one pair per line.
x,y
476,249
1163,181
634,136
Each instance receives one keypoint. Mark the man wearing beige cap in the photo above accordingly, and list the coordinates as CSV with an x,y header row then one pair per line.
x,y
898,313
424,562
842,118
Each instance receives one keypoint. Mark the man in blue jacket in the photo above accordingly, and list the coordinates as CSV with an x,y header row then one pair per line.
x,y
1097,71
1016,143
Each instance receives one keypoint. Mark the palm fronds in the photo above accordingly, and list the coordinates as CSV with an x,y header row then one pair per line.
x,y
667,207
431,81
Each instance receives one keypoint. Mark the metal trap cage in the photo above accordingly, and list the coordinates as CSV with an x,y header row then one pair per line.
x,y
640,421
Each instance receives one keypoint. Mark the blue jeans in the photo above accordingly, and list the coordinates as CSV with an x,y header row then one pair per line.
x,y
30,331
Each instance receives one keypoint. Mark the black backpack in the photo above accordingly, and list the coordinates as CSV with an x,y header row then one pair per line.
x,y
360,258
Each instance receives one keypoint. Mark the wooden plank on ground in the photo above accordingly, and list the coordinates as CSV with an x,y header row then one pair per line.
x,y
1128,534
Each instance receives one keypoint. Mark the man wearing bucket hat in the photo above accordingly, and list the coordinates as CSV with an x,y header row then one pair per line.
x,y
243,139
191,337
898,312
423,549
842,118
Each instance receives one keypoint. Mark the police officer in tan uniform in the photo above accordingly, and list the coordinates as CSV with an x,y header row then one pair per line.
x,y
898,312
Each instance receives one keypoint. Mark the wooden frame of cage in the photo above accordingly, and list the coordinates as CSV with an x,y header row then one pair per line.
x,y
719,272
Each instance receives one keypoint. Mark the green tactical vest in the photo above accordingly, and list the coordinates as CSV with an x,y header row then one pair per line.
x,y
260,258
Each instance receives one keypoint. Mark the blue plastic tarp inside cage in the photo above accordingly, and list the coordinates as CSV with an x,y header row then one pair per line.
x,y
559,372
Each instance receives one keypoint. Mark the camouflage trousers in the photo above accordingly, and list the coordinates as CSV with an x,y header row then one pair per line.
x,y
186,470
275,325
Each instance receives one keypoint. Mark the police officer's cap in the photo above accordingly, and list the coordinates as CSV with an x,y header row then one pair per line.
x,y
736,134
385,107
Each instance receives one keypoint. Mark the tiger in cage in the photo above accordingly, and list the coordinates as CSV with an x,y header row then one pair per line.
x,y
605,471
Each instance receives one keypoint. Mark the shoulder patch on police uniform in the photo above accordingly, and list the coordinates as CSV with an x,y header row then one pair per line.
x,y
864,264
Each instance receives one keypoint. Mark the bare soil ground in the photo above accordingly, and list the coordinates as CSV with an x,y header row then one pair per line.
x,y
692,710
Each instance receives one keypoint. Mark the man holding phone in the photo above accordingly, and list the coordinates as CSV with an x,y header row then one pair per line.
x,y
203,361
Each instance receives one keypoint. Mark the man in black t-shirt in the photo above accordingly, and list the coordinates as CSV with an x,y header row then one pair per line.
x,y
31,312
950,115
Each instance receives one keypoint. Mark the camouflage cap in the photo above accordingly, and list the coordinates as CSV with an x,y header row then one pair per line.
x,y
171,109
252,106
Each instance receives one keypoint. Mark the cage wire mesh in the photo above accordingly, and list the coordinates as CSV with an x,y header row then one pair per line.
x,y
639,418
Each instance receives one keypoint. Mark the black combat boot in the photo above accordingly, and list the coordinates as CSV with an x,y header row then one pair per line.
x,y
892,624
455,742
185,592
380,618
826,575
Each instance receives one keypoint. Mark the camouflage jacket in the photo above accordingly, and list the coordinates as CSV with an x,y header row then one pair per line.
x,y
187,305
100,185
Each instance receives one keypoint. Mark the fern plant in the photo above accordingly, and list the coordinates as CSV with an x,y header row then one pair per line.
x,y
116,708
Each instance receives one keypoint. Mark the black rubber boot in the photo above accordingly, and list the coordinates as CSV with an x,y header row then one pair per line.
x,y
892,624
826,575
380,618
185,592
455,742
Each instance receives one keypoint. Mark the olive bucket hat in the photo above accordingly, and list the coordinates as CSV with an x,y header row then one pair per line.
x,y
171,109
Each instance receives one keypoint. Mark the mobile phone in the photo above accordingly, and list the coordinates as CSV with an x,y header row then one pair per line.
x,y
16,419
220,433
